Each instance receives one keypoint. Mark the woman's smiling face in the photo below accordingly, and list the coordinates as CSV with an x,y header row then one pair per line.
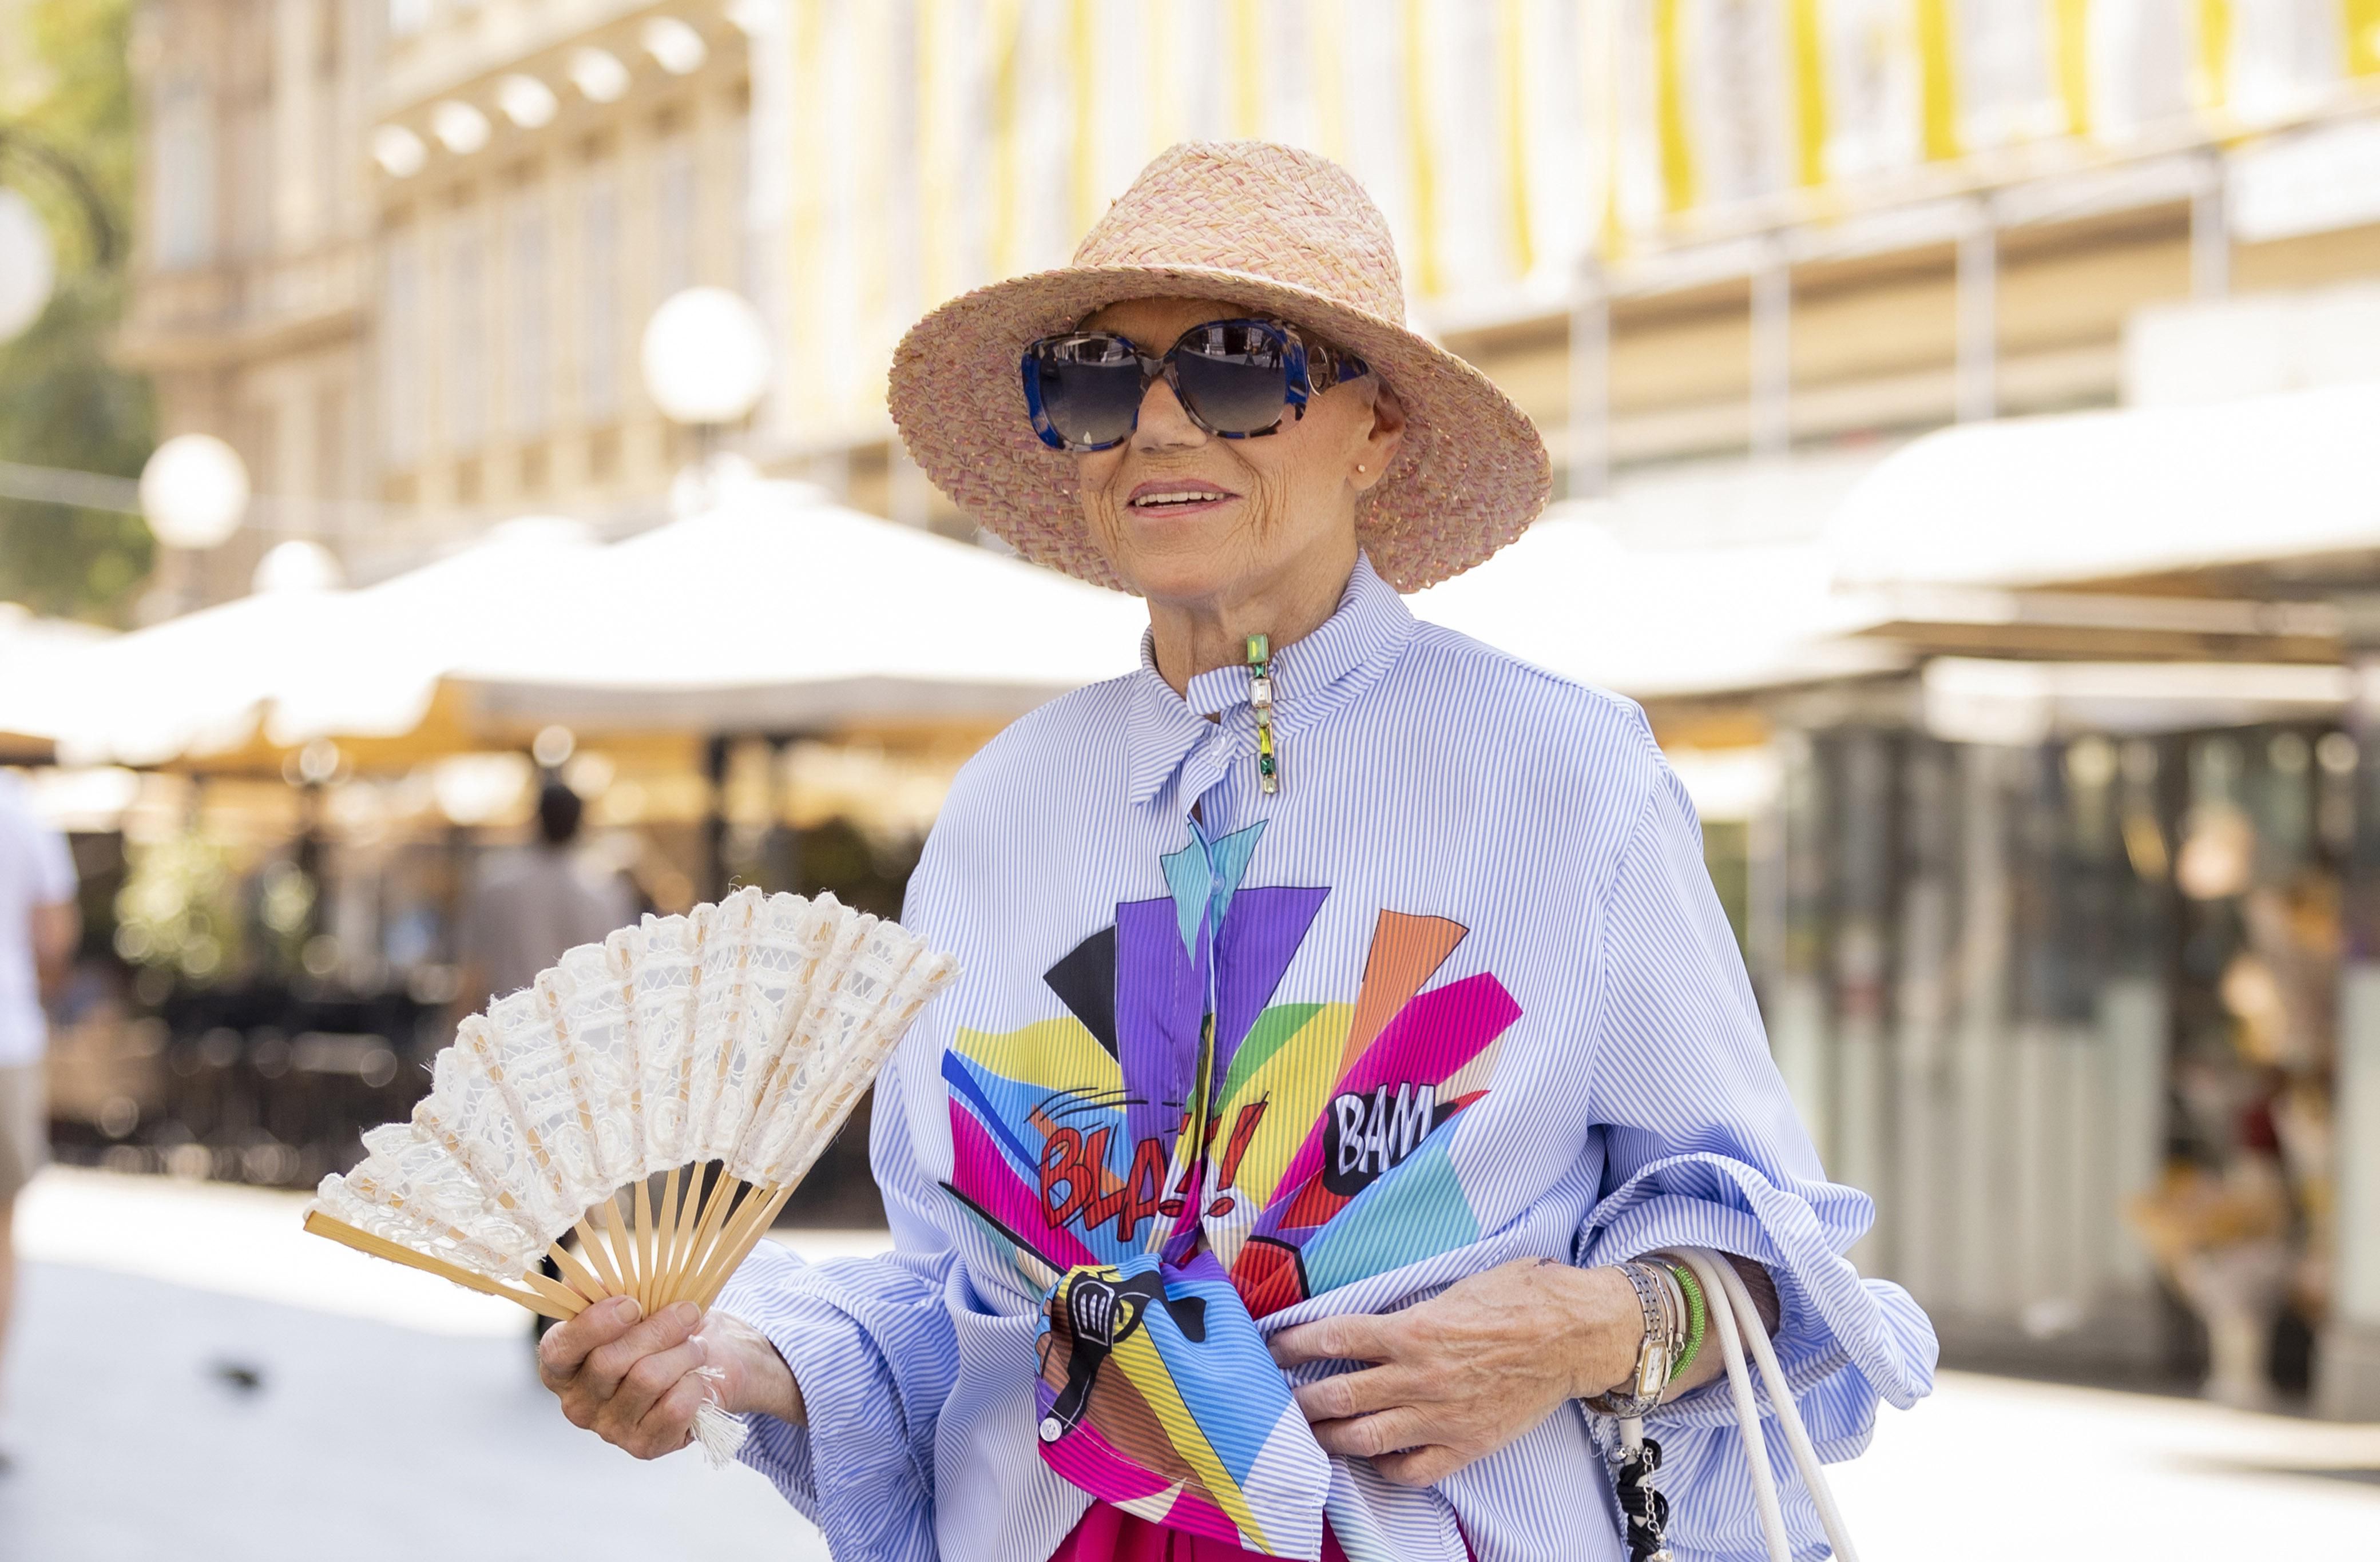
x,y
1188,516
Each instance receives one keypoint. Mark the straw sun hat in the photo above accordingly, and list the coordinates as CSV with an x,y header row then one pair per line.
x,y
1266,228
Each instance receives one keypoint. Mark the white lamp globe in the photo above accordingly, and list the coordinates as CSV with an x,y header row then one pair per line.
x,y
28,266
526,102
398,151
463,129
674,46
194,491
706,357
298,565
599,74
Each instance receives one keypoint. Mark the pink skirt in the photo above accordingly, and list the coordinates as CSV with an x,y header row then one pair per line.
x,y
1110,1534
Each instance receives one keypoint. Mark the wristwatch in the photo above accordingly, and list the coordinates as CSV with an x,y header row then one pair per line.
x,y
1643,1390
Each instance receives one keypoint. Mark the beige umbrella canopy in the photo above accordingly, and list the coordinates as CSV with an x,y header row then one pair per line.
x,y
195,685
33,653
2221,498
778,612
773,611
1576,599
232,687
379,678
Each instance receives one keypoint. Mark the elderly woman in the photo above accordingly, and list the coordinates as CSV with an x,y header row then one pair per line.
x,y
1348,1026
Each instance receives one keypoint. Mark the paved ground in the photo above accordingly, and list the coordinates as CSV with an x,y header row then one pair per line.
x,y
391,1419
393,1416
363,1441
1991,1469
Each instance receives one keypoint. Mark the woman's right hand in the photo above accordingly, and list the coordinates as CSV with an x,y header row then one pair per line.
x,y
635,1380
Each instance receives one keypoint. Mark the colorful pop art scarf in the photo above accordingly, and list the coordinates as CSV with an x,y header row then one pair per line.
x,y
1187,1151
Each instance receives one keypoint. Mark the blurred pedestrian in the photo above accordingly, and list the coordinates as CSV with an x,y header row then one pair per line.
x,y
39,927
530,906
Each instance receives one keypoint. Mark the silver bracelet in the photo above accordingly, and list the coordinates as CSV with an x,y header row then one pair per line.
x,y
1651,1378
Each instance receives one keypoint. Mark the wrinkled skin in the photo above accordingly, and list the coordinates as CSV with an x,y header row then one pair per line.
x,y
632,1380
1455,1378
1273,555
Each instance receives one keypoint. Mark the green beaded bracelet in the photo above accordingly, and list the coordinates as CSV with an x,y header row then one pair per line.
x,y
1696,1319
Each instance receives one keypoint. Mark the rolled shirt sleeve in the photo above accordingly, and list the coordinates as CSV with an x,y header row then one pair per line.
x,y
1703,1148
871,1345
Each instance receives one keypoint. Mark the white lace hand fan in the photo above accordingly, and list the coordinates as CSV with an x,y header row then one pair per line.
x,y
742,1032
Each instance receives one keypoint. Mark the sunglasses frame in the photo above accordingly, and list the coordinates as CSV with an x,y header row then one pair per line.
x,y
1299,361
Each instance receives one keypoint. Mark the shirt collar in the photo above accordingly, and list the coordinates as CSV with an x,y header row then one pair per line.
x,y
1312,678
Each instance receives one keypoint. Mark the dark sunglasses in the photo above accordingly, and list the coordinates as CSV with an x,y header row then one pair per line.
x,y
1234,378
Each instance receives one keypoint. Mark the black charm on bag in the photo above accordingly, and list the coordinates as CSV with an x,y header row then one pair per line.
x,y
1646,1510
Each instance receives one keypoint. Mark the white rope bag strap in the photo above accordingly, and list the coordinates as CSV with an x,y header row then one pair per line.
x,y
1735,1318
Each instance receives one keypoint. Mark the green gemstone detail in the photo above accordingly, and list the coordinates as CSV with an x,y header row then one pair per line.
x,y
1259,649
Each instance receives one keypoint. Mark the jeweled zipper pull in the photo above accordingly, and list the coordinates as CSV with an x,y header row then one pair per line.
x,y
1260,701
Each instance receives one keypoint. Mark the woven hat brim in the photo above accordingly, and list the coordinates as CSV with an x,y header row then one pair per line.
x,y
1471,475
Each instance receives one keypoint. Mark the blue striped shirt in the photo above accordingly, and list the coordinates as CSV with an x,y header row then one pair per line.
x,y
1628,1104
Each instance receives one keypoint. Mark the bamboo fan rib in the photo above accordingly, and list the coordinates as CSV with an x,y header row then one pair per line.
x,y
659,1094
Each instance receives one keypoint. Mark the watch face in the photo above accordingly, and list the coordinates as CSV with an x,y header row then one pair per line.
x,y
1653,1368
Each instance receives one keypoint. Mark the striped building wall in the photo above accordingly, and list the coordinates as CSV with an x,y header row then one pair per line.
x,y
931,145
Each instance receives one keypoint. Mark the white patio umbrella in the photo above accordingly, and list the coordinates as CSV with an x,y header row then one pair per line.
x,y
2098,496
1650,623
300,661
191,686
776,610
395,639
35,653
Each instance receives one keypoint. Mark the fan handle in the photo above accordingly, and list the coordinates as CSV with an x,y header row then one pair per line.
x,y
546,1297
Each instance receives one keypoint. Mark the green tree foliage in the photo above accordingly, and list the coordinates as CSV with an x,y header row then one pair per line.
x,y
179,908
61,403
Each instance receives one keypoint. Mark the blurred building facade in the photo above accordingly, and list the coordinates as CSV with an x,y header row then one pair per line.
x,y
1770,243
1675,229
400,252
254,262
569,166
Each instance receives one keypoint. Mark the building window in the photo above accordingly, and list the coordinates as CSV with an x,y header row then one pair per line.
x,y
249,93
330,444
256,434
598,297
252,179
182,170
755,230
532,370
401,355
466,358
678,209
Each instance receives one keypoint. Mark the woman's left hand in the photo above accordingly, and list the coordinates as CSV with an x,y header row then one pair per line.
x,y
1455,1378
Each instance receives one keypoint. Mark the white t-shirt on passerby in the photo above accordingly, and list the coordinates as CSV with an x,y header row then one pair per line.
x,y
35,870
531,906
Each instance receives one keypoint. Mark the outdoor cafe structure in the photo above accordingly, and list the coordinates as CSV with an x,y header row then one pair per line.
x,y
2034,781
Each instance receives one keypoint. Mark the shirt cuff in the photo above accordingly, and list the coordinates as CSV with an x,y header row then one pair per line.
x,y
757,1293
1829,1319
851,1469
